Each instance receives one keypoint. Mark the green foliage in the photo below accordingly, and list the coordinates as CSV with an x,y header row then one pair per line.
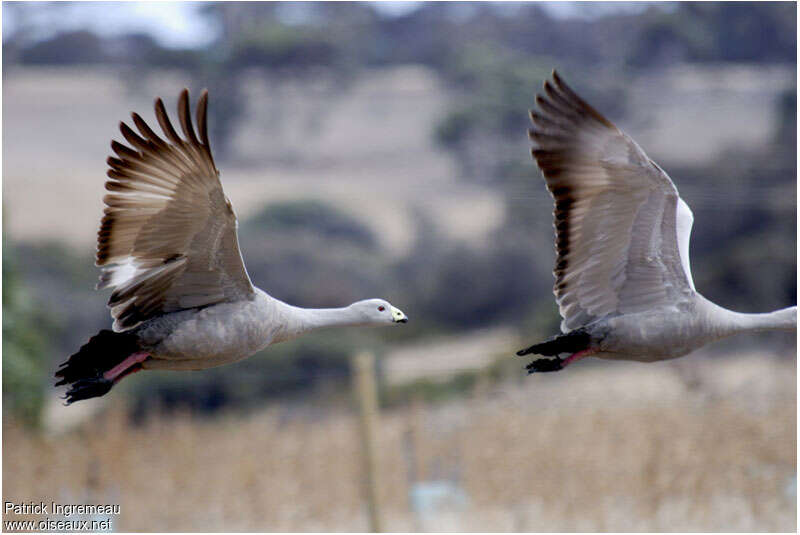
x,y
456,287
311,217
785,139
276,45
498,87
472,288
716,31
485,129
751,221
26,346
431,390
311,254
289,36
294,368
69,47
453,128
460,384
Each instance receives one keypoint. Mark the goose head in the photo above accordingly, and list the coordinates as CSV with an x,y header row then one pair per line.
x,y
378,312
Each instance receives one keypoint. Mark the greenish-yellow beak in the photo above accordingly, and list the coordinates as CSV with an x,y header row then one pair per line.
x,y
398,316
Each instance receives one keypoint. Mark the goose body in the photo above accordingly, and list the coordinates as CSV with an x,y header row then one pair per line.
x,y
168,247
623,280
647,337
197,339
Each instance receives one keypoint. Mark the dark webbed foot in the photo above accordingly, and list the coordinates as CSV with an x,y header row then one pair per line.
x,y
576,343
545,365
88,388
571,342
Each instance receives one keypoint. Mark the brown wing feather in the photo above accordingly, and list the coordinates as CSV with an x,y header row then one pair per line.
x,y
168,238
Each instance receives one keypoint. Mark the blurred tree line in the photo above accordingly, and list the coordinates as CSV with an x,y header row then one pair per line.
x,y
492,58
482,49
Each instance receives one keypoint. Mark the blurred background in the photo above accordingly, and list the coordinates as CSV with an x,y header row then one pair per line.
x,y
380,150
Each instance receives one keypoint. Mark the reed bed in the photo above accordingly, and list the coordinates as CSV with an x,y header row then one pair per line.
x,y
614,446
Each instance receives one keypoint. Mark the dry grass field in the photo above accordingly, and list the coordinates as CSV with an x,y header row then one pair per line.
x,y
708,444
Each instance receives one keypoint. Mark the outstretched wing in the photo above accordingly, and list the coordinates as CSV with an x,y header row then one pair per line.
x,y
167,241
622,231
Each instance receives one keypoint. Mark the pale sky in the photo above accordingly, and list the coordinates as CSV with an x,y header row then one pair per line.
x,y
174,24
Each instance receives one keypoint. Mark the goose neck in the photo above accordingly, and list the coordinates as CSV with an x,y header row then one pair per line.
x,y
728,322
298,320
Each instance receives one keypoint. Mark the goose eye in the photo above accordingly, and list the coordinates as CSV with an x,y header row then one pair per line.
x,y
381,308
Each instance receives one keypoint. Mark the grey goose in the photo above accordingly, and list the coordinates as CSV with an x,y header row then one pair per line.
x,y
622,279
168,247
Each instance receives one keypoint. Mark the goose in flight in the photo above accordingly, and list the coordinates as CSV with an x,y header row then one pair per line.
x,y
167,245
623,284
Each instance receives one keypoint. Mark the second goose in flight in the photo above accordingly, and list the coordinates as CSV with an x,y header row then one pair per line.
x,y
181,298
623,284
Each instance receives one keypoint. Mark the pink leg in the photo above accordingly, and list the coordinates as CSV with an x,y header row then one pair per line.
x,y
578,356
132,360
136,368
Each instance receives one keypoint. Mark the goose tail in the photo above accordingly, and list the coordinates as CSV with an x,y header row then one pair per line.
x,y
99,364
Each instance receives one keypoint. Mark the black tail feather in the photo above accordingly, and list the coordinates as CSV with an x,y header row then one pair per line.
x,y
545,365
83,371
572,342
88,388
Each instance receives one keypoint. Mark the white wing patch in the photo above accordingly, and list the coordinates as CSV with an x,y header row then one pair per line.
x,y
683,226
123,272
120,273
